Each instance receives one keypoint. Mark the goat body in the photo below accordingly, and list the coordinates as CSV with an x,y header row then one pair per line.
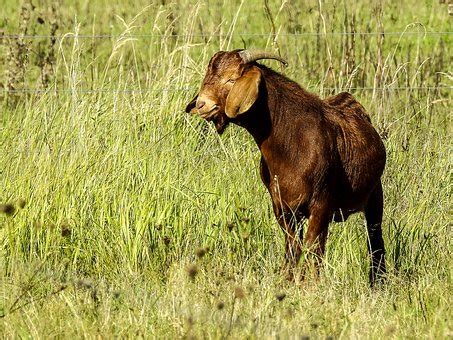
x,y
320,159
314,150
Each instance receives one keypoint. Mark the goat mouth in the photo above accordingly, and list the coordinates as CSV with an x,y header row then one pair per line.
x,y
210,113
220,122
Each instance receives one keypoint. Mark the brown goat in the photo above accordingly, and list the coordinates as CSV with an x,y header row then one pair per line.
x,y
320,159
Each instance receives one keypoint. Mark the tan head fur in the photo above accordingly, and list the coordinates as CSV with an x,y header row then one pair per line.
x,y
230,87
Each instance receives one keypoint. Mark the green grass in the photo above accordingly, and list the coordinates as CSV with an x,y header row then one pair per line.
x,y
122,187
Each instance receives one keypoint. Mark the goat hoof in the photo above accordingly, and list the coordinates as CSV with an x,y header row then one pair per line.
x,y
288,273
377,279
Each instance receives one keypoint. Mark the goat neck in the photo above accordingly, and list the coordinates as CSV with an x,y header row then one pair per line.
x,y
281,101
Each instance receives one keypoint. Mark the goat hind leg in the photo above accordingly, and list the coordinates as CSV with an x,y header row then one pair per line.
x,y
373,215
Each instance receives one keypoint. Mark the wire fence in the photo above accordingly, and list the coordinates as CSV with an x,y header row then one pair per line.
x,y
193,89
207,35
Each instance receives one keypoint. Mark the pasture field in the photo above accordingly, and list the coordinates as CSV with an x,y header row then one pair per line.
x,y
122,216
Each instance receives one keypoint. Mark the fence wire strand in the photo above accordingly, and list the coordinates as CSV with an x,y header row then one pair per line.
x,y
207,35
190,89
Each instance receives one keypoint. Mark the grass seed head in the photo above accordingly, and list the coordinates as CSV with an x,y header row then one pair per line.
x,y
245,219
192,271
84,283
200,252
245,236
21,203
280,296
220,305
389,330
167,240
65,230
38,225
289,314
239,293
7,209
230,226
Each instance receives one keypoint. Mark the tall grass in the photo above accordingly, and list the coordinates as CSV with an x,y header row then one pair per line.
x,y
125,217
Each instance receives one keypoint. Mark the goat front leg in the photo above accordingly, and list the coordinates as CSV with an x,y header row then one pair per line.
x,y
293,242
315,239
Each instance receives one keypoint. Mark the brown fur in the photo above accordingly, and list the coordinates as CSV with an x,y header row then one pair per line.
x,y
320,159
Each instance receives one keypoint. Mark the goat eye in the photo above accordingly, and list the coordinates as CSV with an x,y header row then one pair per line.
x,y
230,81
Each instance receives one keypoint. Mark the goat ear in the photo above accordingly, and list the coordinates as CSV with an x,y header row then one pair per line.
x,y
244,93
191,106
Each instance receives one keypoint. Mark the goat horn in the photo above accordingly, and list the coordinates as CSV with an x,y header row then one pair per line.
x,y
252,55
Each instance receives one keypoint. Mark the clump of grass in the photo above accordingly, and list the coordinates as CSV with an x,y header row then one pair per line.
x,y
48,59
18,52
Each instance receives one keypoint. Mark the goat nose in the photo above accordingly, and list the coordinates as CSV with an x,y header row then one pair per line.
x,y
200,104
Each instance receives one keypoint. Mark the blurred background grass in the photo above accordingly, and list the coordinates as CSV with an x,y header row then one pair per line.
x,y
110,190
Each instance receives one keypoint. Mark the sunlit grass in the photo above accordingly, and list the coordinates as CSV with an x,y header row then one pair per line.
x,y
123,216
